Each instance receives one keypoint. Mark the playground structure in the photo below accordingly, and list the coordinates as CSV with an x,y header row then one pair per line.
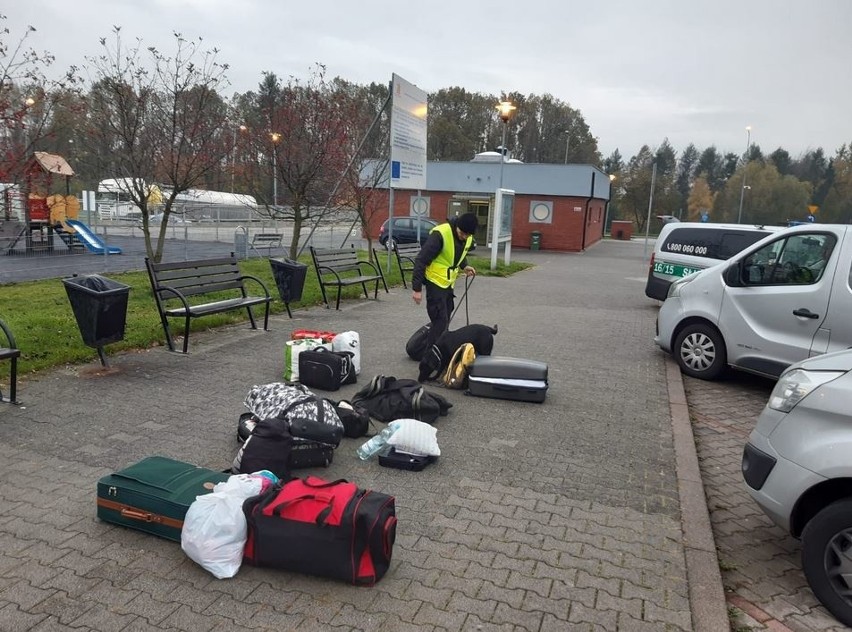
x,y
47,215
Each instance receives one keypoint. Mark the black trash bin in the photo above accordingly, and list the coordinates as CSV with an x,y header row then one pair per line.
x,y
100,307
290,278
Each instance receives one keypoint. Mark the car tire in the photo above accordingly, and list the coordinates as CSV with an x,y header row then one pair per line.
x,y
827,558
700,351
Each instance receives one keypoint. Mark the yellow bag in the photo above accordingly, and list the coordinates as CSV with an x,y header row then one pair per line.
x,y
456,374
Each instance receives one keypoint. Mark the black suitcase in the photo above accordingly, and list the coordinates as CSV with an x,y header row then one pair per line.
x,y
501,377
305,453
326,370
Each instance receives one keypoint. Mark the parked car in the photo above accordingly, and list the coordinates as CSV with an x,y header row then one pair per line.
x,y
405,230
684,248
797,466
784,299
174,218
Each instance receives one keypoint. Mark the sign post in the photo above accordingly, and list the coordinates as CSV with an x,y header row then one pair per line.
x,y
501,225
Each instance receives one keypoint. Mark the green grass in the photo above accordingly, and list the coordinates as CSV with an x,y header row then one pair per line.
x,y
40,316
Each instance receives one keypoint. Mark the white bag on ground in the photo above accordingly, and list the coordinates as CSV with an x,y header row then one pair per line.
x,y
349,341
214,529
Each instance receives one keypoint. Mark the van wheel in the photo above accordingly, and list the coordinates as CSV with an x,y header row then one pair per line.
x,y
827,558
700,352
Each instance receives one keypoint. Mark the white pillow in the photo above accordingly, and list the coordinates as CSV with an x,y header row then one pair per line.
x,y
414,437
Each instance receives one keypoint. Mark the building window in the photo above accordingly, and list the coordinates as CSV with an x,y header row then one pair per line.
x,y
541,212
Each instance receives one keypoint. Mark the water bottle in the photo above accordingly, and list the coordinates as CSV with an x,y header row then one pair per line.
x,y
376,443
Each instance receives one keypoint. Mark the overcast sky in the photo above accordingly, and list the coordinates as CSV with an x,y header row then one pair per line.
x,y
695,71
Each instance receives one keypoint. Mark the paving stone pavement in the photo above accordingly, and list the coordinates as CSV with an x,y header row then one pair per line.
x,y
560,516
761,568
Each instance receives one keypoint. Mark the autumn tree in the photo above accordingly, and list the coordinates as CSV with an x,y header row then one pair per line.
x,y
700,199
298,134
161,119
28,99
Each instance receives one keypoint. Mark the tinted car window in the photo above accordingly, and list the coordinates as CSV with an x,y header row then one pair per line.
x,y
706,242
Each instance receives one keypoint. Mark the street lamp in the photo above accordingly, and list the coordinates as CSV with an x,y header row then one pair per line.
x,y
567,144
745,164
241,128
275,136
505,109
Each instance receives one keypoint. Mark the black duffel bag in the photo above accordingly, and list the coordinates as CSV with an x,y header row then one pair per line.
x,y
331,529
326,370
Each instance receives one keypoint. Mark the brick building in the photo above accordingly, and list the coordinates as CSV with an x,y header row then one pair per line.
x,y
567,204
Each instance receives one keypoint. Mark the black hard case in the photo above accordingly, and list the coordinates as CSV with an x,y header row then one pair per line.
x,y
501,377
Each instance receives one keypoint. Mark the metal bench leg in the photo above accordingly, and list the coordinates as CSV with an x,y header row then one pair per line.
x,y
339,289
251,317
13,383
186,336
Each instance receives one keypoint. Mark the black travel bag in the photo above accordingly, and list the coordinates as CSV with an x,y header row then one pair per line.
x,y
404,460
416,345
326,528
304,453
501,377
326,370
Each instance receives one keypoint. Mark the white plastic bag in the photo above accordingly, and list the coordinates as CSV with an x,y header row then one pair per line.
x,y
349,341
214,529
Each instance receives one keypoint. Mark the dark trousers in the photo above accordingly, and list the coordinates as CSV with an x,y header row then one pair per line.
x,y
439,306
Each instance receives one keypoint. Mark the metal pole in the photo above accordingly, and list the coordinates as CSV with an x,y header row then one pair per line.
x,y
745,164
650,206
275,176
233,159
503,153
567,144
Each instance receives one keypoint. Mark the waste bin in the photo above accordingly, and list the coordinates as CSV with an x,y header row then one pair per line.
x,y
535,240
289,276
241,244
100,308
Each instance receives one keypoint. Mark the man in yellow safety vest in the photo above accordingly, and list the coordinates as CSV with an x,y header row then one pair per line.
x,y
437,267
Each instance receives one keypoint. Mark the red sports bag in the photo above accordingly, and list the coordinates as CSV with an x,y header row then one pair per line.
x,y
330,529
300,334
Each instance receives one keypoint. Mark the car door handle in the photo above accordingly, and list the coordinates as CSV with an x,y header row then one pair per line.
x,y
805,312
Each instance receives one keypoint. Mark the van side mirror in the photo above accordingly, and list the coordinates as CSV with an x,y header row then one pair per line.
x,y
733,276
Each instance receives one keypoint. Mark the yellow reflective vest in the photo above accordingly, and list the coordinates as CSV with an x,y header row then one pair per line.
x,y
443,270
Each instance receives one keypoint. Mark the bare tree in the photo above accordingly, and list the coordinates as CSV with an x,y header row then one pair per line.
x,y
162,120
28,99
298,132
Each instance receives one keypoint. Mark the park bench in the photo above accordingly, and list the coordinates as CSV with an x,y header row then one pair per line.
x,y
405,256
266,240
11,353
341,267
179,285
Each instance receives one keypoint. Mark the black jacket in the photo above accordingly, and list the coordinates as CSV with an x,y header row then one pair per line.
x,y
431,249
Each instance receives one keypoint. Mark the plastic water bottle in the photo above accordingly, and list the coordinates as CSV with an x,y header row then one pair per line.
x,y
376,443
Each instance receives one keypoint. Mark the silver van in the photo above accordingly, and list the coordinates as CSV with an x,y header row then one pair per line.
x,y
784,299
683,248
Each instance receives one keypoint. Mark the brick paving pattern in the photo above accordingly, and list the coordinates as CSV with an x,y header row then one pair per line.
x,y
761,568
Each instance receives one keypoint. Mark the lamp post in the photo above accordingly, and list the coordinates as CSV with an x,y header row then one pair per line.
x,y
745,164
567,144
275,136
241,128
650,206
505,108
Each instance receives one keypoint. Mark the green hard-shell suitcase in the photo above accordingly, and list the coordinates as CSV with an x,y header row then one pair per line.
x,y
154,494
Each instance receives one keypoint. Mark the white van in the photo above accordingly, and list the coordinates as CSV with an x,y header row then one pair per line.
x,y
684,248
780,301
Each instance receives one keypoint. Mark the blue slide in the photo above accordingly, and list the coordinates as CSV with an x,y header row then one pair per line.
x,y
90,239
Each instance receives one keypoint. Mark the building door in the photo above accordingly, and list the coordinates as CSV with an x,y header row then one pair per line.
x,y
480,208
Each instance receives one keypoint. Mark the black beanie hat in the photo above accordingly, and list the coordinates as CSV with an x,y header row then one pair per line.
x,y
467,223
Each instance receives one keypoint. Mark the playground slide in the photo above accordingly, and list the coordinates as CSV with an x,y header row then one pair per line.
x,y
90,239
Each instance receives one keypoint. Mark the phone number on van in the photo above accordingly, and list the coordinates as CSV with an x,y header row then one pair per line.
x,y
686,249
674,270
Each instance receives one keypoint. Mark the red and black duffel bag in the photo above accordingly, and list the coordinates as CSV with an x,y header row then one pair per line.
x,y
330,529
